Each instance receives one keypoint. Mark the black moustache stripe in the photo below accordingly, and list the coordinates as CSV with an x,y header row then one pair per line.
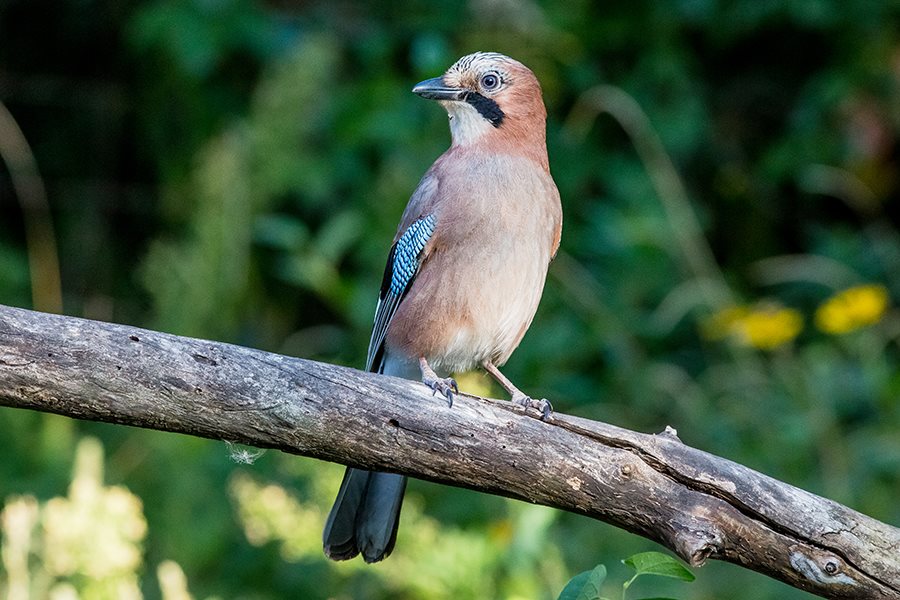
x,y
486,107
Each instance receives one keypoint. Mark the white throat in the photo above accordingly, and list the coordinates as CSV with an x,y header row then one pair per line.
x,y
467,126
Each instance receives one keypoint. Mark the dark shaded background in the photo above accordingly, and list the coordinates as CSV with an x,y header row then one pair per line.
x,y
235,170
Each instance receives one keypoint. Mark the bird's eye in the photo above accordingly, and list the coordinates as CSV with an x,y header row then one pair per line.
x,y
490,82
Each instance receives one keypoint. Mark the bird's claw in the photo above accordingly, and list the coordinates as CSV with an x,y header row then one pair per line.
x,y
543,405
446,386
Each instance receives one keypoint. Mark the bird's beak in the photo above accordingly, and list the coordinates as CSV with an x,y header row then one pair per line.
x,y
436,89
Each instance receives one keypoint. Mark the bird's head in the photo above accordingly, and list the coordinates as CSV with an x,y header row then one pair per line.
x,y
489,98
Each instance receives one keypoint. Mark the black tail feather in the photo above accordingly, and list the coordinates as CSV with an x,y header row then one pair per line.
x,y
365,516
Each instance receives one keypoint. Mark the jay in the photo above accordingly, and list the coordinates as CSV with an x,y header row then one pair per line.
x,y
466,270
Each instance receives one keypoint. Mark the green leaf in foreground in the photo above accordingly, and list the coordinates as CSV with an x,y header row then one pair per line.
x,y
585,586
657,563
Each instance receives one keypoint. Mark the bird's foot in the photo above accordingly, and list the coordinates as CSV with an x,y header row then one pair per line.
x,y
518,397
445,385
543,405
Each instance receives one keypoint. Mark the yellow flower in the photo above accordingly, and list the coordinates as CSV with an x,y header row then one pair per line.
x,y
764,326
721,324
769,327
852,308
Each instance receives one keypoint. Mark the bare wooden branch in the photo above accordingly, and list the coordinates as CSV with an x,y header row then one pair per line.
x,y
697,504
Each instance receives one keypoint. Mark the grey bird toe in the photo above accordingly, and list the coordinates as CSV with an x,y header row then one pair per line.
x,y
543,405
446,386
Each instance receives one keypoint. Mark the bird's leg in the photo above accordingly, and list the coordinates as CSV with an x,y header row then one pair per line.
x,y
518,396
446,386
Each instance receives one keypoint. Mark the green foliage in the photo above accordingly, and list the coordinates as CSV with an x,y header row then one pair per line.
x,y
730,260
84,545
656,563
14,275
587,585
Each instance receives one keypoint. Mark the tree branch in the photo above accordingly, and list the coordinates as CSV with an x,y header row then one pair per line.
x,y
699,505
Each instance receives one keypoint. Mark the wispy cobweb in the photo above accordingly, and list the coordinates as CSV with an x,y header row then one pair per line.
x,y
242,455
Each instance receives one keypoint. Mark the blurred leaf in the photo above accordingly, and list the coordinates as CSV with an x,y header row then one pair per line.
x,y
338,233
585,586
281,231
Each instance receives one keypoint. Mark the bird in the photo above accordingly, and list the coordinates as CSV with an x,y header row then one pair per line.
x,y
466,269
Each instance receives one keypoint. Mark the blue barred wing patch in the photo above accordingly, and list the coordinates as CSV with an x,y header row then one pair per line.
x,y
403,264
407,251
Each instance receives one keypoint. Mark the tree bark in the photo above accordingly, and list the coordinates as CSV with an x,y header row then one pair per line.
x,y
699,505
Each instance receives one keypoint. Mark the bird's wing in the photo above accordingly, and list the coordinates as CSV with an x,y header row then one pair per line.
x,y
402,266
415,229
